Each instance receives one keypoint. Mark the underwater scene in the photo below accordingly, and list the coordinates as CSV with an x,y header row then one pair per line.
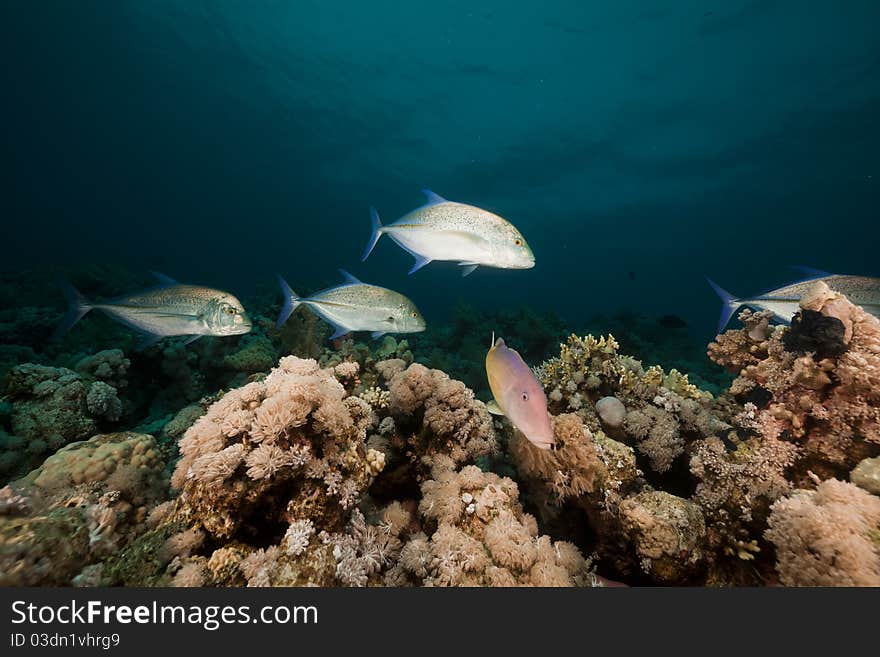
x,y
573,293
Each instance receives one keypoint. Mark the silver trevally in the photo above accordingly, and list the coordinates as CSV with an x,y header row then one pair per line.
x,y
356,306
783,302
445,230
167,310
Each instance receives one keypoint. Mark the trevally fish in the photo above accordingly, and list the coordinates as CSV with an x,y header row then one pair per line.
x,y
356,306
783,302
167,310
445,230
518,394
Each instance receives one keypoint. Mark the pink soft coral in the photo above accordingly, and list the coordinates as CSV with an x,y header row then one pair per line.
x,y
827,537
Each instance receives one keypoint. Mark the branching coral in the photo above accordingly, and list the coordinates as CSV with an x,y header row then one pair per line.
x,y
657,412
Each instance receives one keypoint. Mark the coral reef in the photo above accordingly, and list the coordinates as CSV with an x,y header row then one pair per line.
x,y
290,446
475,533
820,391
435,414
78,509
51,407
354,463
827,536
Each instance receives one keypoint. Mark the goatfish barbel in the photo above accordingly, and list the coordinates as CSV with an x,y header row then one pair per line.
x,y
171,309
445,230
518,394
784,302
356,306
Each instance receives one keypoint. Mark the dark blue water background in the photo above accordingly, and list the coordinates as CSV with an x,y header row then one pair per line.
x,y
637,145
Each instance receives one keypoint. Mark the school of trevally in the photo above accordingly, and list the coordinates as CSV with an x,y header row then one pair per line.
x,y
340,294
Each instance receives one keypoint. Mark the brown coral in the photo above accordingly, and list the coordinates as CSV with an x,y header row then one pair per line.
x,y
480,536
293,448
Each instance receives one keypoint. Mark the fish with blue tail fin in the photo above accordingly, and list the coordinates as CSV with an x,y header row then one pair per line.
x,y
446,230
784,301
170,309
356,306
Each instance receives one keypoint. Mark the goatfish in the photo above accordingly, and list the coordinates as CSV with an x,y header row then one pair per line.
x,y
784,302
445,230
518,394
170,309
356,306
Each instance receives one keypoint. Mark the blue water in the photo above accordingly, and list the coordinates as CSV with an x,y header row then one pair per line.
x,y
637,145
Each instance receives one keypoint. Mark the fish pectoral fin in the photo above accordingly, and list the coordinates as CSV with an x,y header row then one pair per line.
x,y
493,407
191,339
377,334
321,302
420,262
339,332
467,268
159,313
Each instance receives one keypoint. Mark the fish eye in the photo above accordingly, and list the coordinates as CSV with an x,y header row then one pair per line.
x,y
517,241
525,396
414,313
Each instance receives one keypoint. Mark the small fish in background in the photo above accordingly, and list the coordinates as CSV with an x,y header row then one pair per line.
x,y
783,302
356,306
170,309
671,322
518,394
445,230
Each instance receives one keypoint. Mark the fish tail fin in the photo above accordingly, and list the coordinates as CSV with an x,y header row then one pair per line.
x,y
377,229
729,304
291,301
77,307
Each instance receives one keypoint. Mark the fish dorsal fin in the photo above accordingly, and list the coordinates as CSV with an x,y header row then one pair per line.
x,y
349,278
433,199
493,407
163,279
811,272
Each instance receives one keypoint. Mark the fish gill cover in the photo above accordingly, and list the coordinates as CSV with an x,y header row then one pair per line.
x,y
636,146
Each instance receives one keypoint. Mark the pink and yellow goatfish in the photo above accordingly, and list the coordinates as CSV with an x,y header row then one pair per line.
x,y
518,394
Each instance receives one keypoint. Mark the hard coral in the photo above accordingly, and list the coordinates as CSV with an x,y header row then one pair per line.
x,y
83,505
818,390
